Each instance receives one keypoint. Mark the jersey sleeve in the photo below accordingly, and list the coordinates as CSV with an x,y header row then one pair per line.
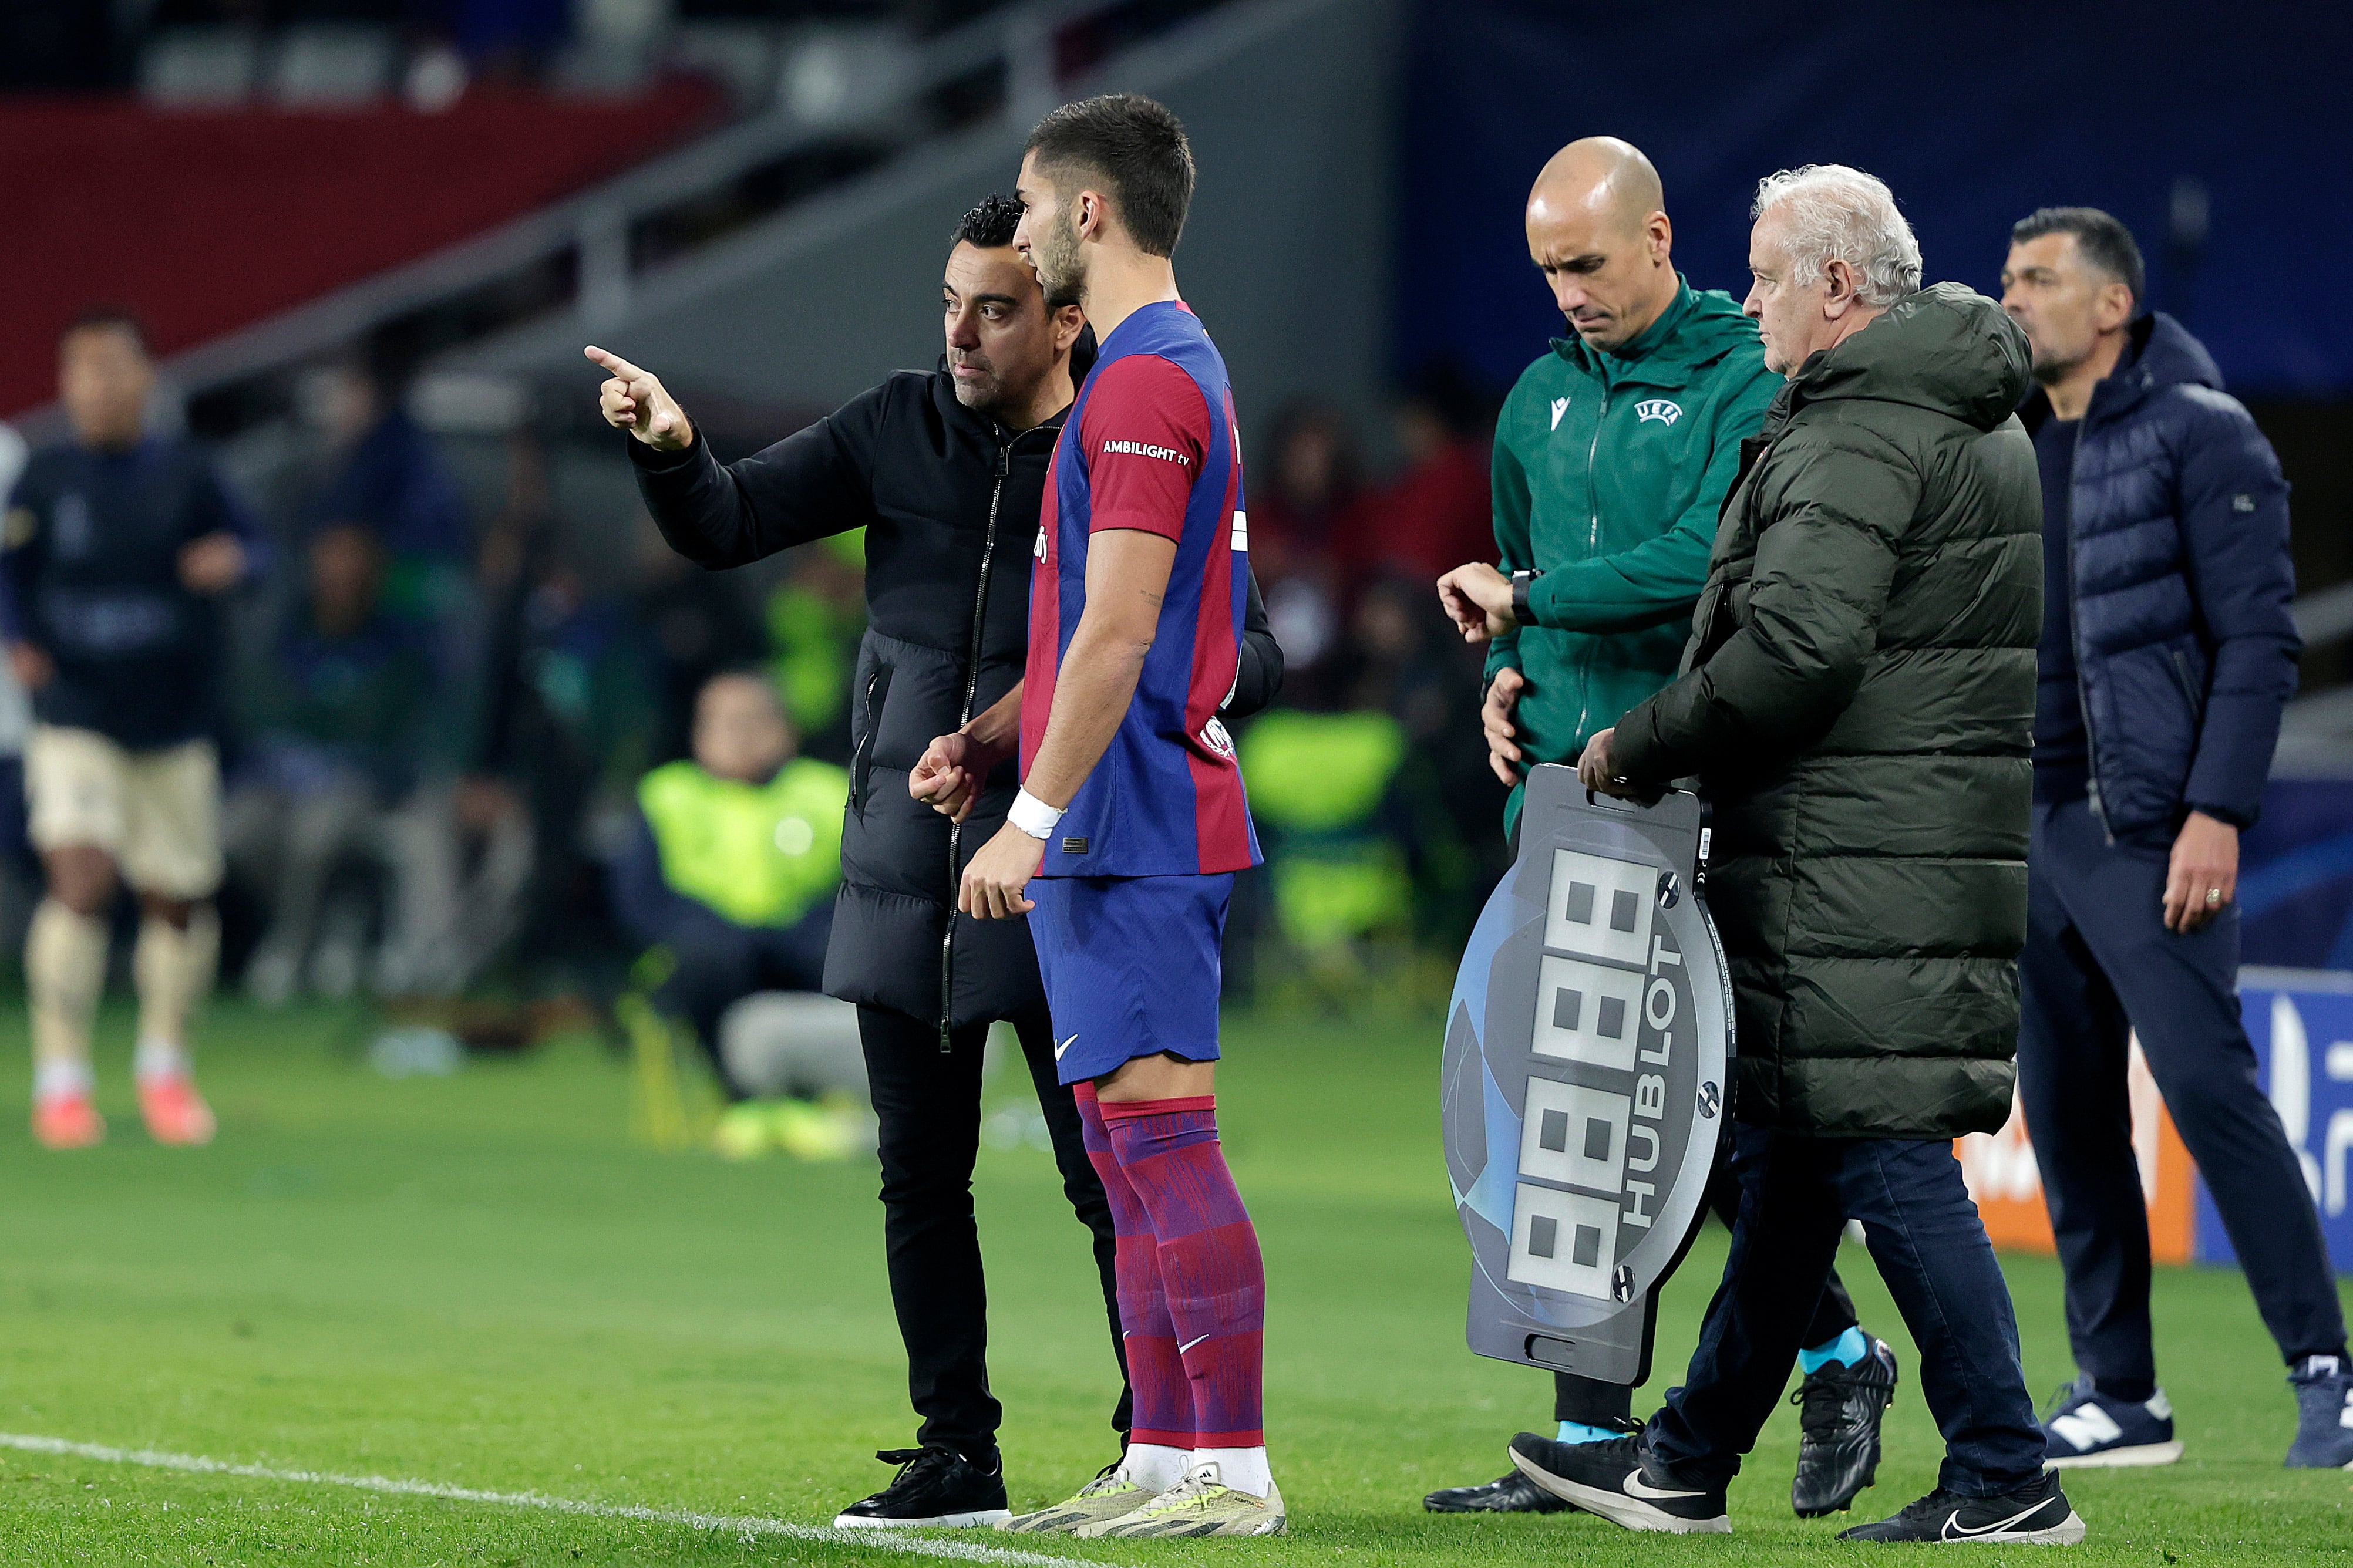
x,y
1144,430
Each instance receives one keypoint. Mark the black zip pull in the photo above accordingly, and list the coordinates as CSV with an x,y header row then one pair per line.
x,y
1004,458
947,1045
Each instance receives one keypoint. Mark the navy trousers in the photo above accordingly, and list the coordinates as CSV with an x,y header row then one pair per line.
x,y
2099,960
719,964
1795,1196
1592,1403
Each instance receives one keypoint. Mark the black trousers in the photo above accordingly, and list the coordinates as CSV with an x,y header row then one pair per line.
x,y
1582,1399
928,1103
2099,962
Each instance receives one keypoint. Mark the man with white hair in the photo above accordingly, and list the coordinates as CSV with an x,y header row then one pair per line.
x,y
1857,704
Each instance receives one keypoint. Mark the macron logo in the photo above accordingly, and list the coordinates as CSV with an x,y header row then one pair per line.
x,y
1559,407
1144,450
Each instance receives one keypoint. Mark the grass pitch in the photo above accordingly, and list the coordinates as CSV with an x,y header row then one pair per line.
x,y
479,1282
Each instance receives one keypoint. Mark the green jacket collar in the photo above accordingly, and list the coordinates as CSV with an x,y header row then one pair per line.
x,y
1689,333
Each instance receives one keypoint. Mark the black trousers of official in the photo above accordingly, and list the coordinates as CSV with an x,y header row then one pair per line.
x,y
928,1104
2098,962
1595,1404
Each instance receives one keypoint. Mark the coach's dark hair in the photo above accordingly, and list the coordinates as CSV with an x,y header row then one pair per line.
x,y
2104,241
990,225
1135,147
108,318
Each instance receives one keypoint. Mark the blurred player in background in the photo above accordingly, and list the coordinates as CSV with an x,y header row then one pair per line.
x,y
1612,459
117,547
1132,817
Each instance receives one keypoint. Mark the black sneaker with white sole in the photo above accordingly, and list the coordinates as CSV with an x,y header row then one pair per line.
x,y
1621,1482
2036,1514
935,1486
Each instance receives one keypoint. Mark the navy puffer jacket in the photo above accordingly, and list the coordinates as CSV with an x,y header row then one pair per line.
x,y
2185,648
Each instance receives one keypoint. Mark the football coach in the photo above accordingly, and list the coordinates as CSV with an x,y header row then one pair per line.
x,y
1858,704
944,470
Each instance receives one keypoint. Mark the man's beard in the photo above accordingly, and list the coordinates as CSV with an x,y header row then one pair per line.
x,y
1061,273
2051,372
984,394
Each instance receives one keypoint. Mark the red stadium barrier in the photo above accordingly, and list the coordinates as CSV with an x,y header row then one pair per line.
x,y
206,221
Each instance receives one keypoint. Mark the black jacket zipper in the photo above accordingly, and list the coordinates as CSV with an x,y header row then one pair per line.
x,y
971,687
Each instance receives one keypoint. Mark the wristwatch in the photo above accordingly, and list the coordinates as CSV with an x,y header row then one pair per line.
x,y
1521,582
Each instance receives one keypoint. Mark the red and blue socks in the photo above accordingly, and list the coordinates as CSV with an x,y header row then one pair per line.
x,y
1210,1285
1160,1444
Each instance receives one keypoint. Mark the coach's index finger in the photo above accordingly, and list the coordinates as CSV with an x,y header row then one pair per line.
x,y
616,363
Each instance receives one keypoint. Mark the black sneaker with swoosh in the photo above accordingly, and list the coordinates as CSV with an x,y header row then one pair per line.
x,y
1621,1482
2036,1514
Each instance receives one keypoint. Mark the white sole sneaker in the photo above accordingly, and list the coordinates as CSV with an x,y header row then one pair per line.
x,y
983,1519
2118,1459
1629,1513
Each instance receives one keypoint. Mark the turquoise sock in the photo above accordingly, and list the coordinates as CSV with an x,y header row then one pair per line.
x,y
1846,1350
1579,1432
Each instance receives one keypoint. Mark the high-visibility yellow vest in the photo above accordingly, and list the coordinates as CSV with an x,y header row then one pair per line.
x,y
761,854
1318,779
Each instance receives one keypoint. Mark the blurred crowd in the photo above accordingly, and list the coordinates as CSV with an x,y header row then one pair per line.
x,y
446,687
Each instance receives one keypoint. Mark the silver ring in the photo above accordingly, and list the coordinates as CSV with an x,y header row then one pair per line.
x,y
2213,896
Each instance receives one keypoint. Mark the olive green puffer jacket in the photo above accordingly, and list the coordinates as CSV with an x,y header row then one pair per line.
x,y
1858,702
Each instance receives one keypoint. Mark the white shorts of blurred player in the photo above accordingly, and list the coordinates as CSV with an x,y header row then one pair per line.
x,y
157,812
794,1043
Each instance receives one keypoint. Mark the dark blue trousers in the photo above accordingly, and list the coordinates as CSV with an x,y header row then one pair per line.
x,y
1795,1196
2099,962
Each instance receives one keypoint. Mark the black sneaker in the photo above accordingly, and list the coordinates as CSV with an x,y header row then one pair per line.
x,y
2036,1514
1513,1493
934,1487
1838,1422
1620,1481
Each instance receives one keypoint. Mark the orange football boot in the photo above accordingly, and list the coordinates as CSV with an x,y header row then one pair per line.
x,y
175,1111
67,1121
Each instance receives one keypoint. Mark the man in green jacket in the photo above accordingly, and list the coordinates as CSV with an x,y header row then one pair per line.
x,y
1612,458
1858,707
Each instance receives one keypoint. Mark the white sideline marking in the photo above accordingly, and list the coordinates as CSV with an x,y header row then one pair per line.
x,y
731,1523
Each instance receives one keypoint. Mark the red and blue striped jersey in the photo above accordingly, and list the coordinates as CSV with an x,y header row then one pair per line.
x,y
1150,445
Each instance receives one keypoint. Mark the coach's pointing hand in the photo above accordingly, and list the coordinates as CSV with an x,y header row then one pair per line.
x,y
993,881
634,400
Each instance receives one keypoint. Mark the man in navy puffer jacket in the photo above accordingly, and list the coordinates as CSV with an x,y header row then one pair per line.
x,y
2168,649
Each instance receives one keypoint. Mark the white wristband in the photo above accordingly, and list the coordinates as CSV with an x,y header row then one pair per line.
x,y
1033,816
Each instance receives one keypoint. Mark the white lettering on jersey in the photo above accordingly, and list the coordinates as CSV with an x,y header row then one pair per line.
x,y
1658,408
1039,548
1241,532
1144,450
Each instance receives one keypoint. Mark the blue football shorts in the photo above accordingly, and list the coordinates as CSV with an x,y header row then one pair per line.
x,y
1132,966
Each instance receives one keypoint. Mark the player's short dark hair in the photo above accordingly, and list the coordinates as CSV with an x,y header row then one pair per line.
x,y
2104,241
1138,148
110,319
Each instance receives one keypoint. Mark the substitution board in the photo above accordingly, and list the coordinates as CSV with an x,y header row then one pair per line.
x,y
1585,1079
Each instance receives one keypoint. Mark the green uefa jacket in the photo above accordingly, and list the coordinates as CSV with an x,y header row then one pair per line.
x,y
1610,469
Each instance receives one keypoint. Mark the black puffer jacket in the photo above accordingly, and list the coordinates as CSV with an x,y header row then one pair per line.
x,y
949,500
1860,709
